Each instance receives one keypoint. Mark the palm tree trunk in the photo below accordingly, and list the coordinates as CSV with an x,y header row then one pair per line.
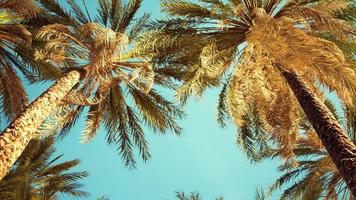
x,y
18,134
340,148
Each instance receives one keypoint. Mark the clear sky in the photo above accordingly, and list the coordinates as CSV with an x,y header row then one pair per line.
x,y
204,159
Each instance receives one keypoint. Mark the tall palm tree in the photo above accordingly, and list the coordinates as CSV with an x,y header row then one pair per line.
x,y
101,71
315,167
271,61
38,175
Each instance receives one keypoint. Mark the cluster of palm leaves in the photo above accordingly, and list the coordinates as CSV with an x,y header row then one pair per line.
x,y
272,60
38,174
118,84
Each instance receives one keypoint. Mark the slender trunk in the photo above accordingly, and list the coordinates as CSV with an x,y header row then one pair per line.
x,y
340,148
18,134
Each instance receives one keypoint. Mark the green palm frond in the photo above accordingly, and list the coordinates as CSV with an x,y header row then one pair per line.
x,y
223,113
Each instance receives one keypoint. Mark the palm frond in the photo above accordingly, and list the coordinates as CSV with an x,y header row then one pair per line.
x,y
13,94
129,11
79,14
35,174
25,8
93,122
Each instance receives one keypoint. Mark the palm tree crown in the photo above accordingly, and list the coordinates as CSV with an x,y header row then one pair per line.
x,y
114,75
237,44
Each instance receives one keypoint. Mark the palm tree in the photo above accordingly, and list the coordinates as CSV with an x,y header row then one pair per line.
x,y
269,58
38,175
101,71
315,167
192,196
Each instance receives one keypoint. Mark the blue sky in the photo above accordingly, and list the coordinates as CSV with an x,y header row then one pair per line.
x,y
204,159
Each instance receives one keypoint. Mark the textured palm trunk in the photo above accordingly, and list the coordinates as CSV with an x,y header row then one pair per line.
x,y
18,134
340,148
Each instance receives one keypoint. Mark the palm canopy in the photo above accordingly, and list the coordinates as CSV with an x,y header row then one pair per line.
x,y
237,43
38,175
117,84
315,167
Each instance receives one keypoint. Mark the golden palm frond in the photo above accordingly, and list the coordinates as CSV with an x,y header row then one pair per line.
x,y
195,85
93,123
24,8
213,61
38,174
76,98
331,6
326,60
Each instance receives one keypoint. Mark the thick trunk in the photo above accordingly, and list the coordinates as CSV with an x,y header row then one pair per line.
x,y
340,148
17,135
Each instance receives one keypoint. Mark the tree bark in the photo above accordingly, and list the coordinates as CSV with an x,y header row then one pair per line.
x,y
18,134
340,148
